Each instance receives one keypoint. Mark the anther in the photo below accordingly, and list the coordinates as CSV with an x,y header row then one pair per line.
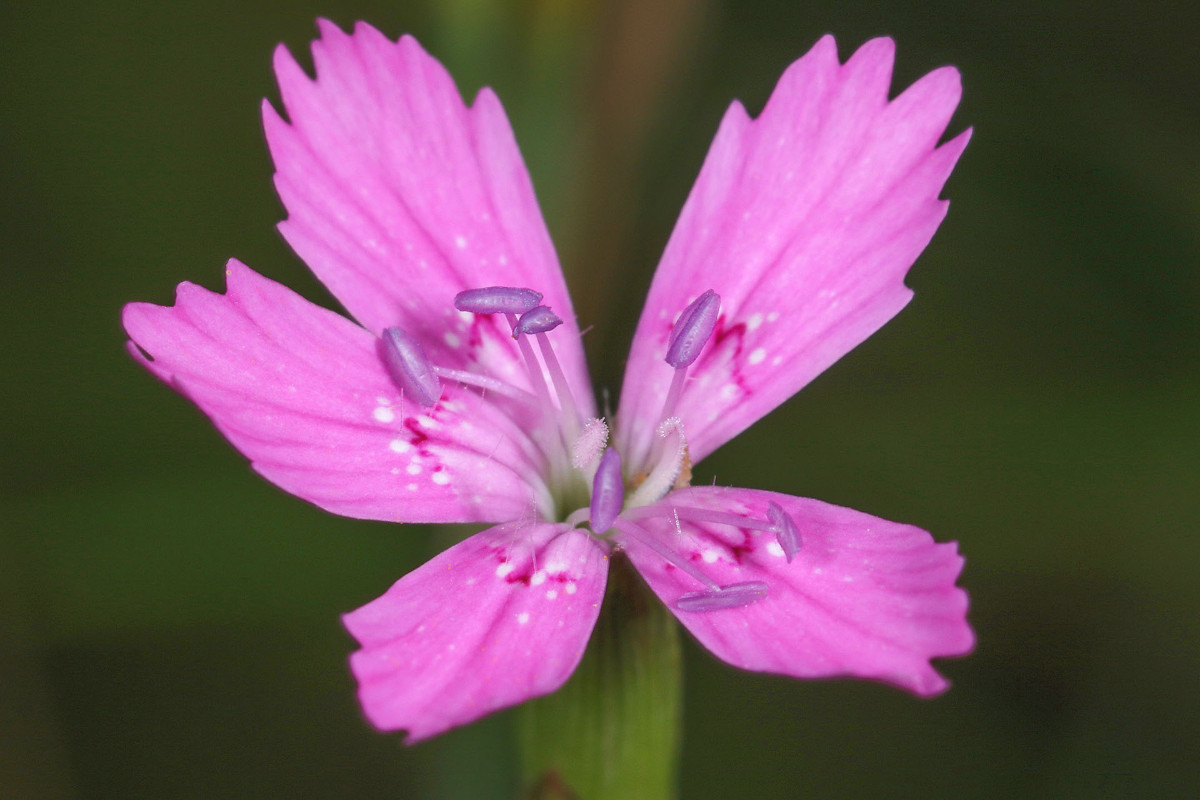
x,y
410,369
608,492
692,331
735,595
785,530
497,300
536,320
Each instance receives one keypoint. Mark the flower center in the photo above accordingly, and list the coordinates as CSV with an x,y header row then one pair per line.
x,y
584,475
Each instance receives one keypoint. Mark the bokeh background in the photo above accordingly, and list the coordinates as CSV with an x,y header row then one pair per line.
x,y
169,622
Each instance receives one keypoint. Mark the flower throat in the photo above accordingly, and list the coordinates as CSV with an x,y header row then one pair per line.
x,y
586,478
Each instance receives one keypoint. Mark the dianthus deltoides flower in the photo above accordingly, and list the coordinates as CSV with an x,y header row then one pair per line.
x,y
461,394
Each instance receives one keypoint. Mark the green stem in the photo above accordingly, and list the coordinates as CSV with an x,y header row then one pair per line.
x,y
613,731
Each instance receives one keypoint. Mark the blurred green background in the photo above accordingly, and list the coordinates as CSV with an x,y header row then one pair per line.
x,y
169,622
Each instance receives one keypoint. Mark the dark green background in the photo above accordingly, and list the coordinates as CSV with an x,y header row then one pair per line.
x,y
169,622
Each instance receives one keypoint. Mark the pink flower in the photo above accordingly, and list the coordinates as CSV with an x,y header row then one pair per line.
x,y
446,405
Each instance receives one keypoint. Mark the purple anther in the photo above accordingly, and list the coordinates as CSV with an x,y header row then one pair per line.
x,y
608,492
497,300
735,595
410,369
693,330
536,320
785,530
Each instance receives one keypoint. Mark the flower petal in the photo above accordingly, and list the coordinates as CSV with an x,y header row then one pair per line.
x,y
304,394
805,222
399,196
495,620
863,597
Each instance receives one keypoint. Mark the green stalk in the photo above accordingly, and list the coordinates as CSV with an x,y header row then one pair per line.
x,y
613,731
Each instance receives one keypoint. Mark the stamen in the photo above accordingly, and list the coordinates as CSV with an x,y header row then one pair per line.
x,y
735,595
510,301
565,399
688,337
536,320
785,530
486,383
668,409
590,444
497,300
406,362
608,492
701,515
692,331
536,377
640,534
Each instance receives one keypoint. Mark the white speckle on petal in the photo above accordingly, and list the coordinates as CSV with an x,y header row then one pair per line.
x,y
710,556
440,478
427,421
523,618
775,549
412,487
757,355
504,569
394,470
776,361
399,446
551,594
538,578
466,316
774,315
384,414
569,588
754,321
729,391
460,242
452,339
414,469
